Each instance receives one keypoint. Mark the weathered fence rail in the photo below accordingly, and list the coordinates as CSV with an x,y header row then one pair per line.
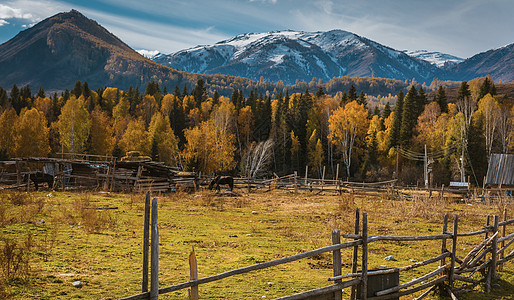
x,y
443,276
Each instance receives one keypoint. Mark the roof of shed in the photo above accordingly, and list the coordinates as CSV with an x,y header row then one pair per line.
x,y
501,170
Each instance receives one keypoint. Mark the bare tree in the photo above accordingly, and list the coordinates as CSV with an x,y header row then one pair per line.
x,y
257,158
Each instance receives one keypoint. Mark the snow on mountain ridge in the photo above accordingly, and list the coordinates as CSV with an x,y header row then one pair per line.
x,y
291,55
436,58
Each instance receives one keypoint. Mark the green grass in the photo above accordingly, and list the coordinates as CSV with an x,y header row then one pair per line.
x,y
102,248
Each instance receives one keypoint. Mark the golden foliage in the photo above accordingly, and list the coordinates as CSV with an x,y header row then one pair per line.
x,y
32,134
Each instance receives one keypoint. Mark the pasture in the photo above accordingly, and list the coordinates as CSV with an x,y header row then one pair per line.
x,y
54,239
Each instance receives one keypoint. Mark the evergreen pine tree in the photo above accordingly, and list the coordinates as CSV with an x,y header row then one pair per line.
x,y
85,90
4,100
176,92
15,98
362,99
376,111
441,99
421,101
352,93
77,89
164,91
320,92
41,92
184,91
199,92
387,111
409,117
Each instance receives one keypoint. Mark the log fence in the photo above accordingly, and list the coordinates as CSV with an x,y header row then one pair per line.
x,y
484,256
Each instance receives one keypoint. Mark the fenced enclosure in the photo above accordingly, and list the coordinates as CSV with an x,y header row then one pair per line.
x,y
480,265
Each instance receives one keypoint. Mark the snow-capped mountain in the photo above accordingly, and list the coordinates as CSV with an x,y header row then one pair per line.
x,y
150,54
296,55
436,58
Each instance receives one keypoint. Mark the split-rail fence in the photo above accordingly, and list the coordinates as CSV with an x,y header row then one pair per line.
x,y
487,258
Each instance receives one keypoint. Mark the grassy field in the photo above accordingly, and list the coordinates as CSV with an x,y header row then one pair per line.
x,y
50,241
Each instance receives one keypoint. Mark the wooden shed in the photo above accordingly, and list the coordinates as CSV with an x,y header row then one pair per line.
x,y
500,171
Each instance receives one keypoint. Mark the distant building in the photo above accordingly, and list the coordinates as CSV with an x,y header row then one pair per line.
x,y
500,172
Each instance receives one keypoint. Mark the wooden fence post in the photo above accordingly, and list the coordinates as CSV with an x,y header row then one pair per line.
x,y
18,173
336,260
443,241
146,238
454,250
28,182
491,274
295,182
353,295
193,275
154,284
306,174
364,279
500,266
487,223
442,192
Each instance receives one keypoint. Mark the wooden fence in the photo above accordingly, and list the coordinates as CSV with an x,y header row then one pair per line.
x,y
489,255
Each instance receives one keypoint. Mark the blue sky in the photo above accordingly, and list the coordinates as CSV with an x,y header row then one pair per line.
x,y
458,27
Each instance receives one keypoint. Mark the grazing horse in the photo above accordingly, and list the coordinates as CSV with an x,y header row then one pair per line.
x,y
40,177
222,180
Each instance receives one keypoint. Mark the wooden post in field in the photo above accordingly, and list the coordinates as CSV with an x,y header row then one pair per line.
x,y
28,182
154,276
355,253
306,173
500,266
193,275
146,239
338,186
295,182
443,242
336,260
442,192
113,171
364,275
454,250
18,173
323,179
487,223
491,274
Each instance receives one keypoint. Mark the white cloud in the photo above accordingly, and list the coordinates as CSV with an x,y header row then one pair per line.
x,y
7,12
144,34
3,22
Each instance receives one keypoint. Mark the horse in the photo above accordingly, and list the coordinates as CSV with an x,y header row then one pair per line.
x,y
40,177
222,180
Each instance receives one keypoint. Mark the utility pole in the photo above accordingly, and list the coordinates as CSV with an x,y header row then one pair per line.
x,y
462,177
426,167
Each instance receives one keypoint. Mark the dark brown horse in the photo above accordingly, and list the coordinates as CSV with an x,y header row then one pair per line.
x,y
40,177
228,180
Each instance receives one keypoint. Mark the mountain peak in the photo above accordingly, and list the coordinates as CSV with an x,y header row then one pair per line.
x,y
290,55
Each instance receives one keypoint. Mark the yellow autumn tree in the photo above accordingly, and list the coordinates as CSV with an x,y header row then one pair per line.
x,y
315,152
160,131
32,134
147,108
44,105
245,123
135,137
426,127
209,149
101,140
74,125
489,109
347,125
8,121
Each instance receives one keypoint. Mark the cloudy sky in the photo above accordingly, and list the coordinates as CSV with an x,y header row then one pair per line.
x,y
458,27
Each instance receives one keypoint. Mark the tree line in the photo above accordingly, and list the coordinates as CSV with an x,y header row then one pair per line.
x,y
258,134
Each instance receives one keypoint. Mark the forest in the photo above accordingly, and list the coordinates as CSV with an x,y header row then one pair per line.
x,y
261,134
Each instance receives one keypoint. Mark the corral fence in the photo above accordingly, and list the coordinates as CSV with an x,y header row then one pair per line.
x,y
96,172
487,258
